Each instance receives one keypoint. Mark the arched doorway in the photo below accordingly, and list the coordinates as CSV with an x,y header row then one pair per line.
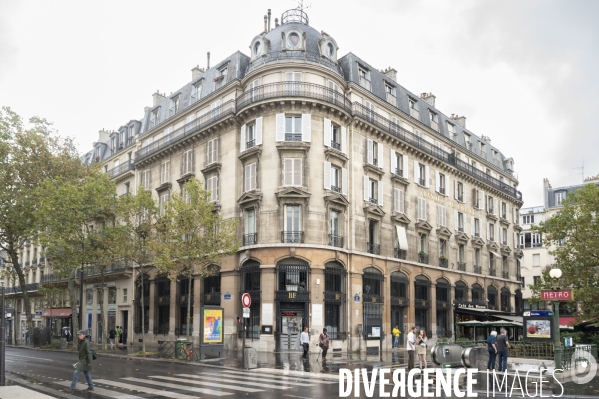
x,y
478,294
372,298
442,296
292,297
399,302
422,303
335,300
162,301
250,275
492,297
505,300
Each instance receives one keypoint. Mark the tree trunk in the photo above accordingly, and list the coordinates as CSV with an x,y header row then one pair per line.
x,y
26,302
188,305
143,313
75,320
101,300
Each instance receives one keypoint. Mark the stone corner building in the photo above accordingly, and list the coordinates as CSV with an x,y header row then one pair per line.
x,y
360,204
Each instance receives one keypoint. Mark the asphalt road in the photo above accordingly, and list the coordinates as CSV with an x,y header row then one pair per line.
x,y
131,378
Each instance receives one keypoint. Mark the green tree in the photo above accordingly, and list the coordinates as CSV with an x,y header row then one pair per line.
x,y
28,155
138,215
75,218
193,237
574,235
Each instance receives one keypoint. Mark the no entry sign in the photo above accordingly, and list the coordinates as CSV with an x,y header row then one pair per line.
x,y
246,300
556,295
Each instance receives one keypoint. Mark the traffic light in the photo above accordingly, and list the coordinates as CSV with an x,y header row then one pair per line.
x,y
238,320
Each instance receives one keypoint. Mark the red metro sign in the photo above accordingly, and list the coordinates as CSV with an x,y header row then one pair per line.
x,y
556,295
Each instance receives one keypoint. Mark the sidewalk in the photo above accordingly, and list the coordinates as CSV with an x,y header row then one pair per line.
x,y
19,392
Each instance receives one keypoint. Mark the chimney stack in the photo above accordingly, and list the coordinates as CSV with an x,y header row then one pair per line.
x,y
269,20
276,22
196,72
208,63
391,73
460,120
429,98
103,136
265,17
157,97
486,139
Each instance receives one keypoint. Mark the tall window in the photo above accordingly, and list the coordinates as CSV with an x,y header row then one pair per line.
x,y
196,92
422,174
250,283
335,300
476,227
212,151
251,135
293,128
335,237
293,83
373,246
250,177
250,236
212,186
292,218
163,201
187,162
165,171
559,197
364,77
335,179
292,172
461,258
477,257
441,183
460,191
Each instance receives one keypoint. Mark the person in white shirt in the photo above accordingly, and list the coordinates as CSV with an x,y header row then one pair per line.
x,y
305,341
411,347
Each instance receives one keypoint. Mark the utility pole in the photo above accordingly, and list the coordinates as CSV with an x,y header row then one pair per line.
x,y
581,170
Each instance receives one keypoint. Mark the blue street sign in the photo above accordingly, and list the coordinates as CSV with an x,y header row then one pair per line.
x,y
227,296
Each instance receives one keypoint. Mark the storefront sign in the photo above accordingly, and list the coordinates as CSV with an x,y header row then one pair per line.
x,y
288,314
556,295
469,305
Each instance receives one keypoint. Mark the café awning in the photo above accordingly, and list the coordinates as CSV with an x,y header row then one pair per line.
x,y
58,312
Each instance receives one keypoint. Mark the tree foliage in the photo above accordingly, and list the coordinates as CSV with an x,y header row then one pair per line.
x,y
28,156
573,233
192,236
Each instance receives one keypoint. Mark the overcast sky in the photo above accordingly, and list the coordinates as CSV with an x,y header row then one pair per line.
x,y
523,72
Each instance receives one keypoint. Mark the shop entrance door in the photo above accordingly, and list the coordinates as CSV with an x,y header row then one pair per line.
x,y
397,320
291,327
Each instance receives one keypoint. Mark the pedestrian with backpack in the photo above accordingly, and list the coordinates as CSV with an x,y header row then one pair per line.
x,y
84,365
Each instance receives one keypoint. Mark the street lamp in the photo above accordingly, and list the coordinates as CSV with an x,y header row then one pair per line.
x,y
556,274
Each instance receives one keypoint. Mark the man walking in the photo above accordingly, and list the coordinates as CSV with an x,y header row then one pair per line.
x,y
396,334
492,348
305,341
118,335
84,364
502,347
411,347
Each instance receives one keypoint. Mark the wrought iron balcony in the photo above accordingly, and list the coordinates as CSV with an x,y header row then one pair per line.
x,y
372,298
17,289
299,296
336,145
211,298
374,249
442,190
477,234
120,170
98,270
250,239
461,228
296,237
423,258
492,271
162,300
335,241
460,197
375,162
462,266
293,137
478,269
400,253
421,181
292,56
443,262
187,130
183,299
373,200
398,172
299,89
335,189
250,144
505,274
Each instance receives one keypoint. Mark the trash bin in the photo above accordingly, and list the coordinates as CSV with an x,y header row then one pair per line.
x,y
250,358
178,346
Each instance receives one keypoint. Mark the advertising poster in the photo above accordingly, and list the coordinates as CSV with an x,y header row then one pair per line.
x,y
538,329
213,326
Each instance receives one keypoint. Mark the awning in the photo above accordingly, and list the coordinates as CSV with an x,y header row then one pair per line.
x,y
496,254
58,312
517,319
567,321
402,239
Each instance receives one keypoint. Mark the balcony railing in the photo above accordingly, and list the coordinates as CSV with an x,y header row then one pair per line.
x,y
335,241
478,269
121,169
372,248
250,144
492,271
462,266
443,262
97,270
421,181
298,89
398,172
250,239
460,197
442,190
211,298
292,56
17,289
423,258
293,137
505,274
187,130
336,145
335,189
400,253
296,237
429,148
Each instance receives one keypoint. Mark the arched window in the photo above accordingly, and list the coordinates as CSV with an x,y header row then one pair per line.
x,y
335,300
372,298
505,300
461,291
442,295
478,294
372,285
492,297
442,291
211,287
399,288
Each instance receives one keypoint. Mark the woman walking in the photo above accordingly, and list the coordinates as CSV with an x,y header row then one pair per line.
x,y
324,343
421,348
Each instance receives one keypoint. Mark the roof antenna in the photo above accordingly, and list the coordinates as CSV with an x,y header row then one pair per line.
x,y
581,170
300,5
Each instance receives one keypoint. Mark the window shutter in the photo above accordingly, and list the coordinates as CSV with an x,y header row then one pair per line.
x,y
456,220
381,192
344,139
419,208
287,171
280,122
306,128
402,202
379,161
416,171
396,199
192,162
254,180
455,189
215,150
327,175
495,210
447,185
344,181
393,158
488,231
507,211
370,155
405,166
437,181
474,197
439,217
473,227
426,175
424,209
258,132
515,240
297,171
481,199
246,172
242,143
366,188
327,132
215,187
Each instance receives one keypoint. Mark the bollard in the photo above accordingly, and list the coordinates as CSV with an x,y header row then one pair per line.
x,y
250,360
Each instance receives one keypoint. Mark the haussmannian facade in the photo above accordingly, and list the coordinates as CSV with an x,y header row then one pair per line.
x,y
360,205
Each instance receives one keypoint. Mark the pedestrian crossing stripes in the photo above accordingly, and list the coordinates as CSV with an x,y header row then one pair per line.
x,y
207,382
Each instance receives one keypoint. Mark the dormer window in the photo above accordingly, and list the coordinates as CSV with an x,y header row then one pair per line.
x,y
330,50
257,48
154,118
196,92
174,106
293,40
364,77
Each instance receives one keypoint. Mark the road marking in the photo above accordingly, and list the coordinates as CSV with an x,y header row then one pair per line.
x,y
188,381
139,388
228,381
178,386
101,391
30,357
307,374
267,378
